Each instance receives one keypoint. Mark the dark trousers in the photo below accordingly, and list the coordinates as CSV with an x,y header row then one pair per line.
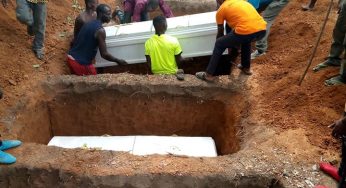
x,y
233,40
232,52
33,15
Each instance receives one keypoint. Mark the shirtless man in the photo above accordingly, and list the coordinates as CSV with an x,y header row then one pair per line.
x,y
88,15
91,37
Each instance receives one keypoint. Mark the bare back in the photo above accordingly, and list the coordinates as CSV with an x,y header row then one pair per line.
x,y
82,19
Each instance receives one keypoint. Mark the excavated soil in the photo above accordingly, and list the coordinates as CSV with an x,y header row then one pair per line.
x,y
282,127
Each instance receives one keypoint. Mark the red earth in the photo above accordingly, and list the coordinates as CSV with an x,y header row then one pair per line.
x,y
278,100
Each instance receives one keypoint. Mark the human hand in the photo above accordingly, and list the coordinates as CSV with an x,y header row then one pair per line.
x,y
122,62
339,128
4,3
188,59
219,35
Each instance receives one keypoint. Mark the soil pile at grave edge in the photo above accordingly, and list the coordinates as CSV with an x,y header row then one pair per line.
x,y
281,103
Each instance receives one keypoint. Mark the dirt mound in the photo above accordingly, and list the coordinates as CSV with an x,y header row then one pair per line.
x,y
279,103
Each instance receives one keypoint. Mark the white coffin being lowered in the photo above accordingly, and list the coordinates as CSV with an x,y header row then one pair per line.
x,y
196,34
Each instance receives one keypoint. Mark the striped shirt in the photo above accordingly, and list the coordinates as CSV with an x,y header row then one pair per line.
x,y
38,1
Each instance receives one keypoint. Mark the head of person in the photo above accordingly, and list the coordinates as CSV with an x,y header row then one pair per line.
x,y
160,24
91,4
104,13
152,5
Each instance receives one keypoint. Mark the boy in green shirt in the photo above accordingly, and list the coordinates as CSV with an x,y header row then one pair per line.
x,y
162,51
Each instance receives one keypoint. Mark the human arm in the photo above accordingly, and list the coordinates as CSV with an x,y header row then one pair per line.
x,y
78,24
179,59
177,53
220,31
147,53
139,8
165,9
101,38
220,21
147,57
339,128
4,3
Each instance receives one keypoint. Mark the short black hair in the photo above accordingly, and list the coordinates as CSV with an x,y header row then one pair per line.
x,y
159,21
101,9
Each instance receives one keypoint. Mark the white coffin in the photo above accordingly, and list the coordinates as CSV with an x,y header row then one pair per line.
x,y
196,34
141,145
183,146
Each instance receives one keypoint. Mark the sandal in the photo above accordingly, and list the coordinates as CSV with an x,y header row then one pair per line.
x,y
203,76
7,144
6,158
39,54
335,81
307,8
246,71
325,64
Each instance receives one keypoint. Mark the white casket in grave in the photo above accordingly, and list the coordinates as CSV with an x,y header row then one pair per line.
x,y
196,34
141,145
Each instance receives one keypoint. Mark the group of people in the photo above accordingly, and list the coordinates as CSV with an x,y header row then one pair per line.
x,y
33,14
244,24
163,52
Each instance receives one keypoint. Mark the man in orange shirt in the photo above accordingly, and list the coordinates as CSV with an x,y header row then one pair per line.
x,y
247,26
